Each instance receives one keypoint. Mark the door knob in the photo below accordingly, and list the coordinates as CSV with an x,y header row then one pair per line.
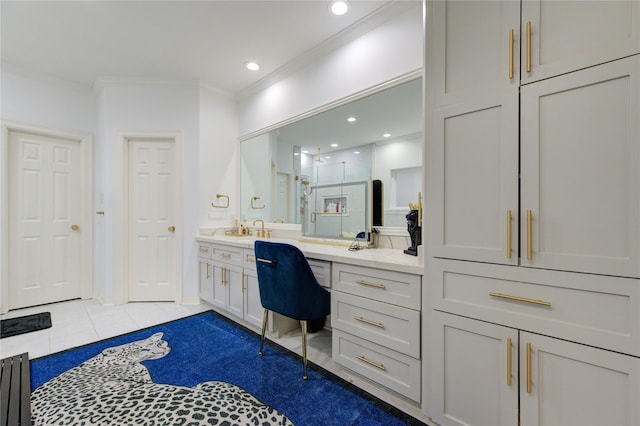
x,y
75,227
171,229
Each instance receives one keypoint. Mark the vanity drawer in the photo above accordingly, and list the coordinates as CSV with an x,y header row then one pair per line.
x,y
249,259
388,325
205,250
596,310
396,371
394,287
322,271
228,254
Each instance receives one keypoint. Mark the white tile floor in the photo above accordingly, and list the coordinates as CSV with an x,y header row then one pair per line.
x,y
78,322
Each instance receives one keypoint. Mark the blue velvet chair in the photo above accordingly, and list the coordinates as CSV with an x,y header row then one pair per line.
x,y
288,287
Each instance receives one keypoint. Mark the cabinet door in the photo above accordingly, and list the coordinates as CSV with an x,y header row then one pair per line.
x,y
253,308
472,131
468,49
235,289
474,372
570,35
580,181
220,296
565,383
206,280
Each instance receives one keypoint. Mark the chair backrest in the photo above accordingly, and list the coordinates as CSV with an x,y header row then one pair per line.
x,y
287,284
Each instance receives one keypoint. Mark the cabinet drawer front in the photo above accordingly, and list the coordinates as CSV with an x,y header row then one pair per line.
x,y
592,309
228,254
388,325
205,251
386,286
322,271
249,259
394,370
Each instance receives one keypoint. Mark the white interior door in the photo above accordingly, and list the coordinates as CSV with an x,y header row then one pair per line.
x,y
45,187
152,204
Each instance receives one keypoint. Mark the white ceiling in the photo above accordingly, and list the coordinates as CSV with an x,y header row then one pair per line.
x,y
205,41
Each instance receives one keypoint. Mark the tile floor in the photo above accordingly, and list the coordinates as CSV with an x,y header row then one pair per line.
x,y
78,322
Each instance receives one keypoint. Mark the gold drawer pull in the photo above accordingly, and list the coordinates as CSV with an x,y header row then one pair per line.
x,y
208,276
511,54
375,364
509,361
528,46
509,233
224,254
366,321
529,235
367,283
528,367
521,299
251,258
204,249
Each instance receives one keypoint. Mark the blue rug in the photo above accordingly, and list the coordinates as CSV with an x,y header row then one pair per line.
x,y
208,347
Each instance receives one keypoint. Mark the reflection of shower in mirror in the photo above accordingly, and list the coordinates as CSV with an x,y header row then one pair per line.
x,y
307,189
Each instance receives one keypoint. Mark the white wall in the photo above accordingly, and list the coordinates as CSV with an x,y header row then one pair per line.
x,y
218,158
47,102
124,109
388,51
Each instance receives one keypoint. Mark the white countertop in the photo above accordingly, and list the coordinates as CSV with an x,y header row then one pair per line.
x,y
382,258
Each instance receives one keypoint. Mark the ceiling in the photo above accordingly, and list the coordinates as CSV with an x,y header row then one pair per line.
x,y
204,41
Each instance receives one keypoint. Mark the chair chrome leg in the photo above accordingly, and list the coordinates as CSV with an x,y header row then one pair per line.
x,y
265,318
303,324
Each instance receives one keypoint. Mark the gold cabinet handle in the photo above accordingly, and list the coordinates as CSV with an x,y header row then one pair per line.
x,y
528,367
100,212
509,361
224,254
368,284
375,364
74,227
529,250
208,276
521,299
528,46
171,228
243,281
367,321
222,275
511,54
509,233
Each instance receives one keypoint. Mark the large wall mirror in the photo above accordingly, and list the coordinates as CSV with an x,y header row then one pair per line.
x,y
326,172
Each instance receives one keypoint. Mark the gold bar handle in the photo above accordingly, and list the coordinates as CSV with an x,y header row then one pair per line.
x,y
528,367
224,254
528,46
529,249
509,233
208,276
521,299
367,321
509,361
243,281
368,284
511,54
375,364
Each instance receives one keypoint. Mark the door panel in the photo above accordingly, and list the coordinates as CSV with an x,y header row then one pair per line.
x,y
151,202
45,175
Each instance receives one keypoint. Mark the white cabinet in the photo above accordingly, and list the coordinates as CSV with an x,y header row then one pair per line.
x,y
375,316
206,272
483,372
580,160
253,311
562,164
567,36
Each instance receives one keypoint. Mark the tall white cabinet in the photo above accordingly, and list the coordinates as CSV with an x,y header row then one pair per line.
x,y
533,212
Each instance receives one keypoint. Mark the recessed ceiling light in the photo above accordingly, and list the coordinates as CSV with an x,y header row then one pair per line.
x,y
339,7
386,135
252,66
296,154
351,119
333,145
356,152
304,151
327,157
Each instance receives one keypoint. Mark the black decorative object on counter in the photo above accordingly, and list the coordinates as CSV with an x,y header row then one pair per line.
x,y
415,232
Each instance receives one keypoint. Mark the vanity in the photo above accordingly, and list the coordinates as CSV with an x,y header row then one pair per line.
x,y
375,305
